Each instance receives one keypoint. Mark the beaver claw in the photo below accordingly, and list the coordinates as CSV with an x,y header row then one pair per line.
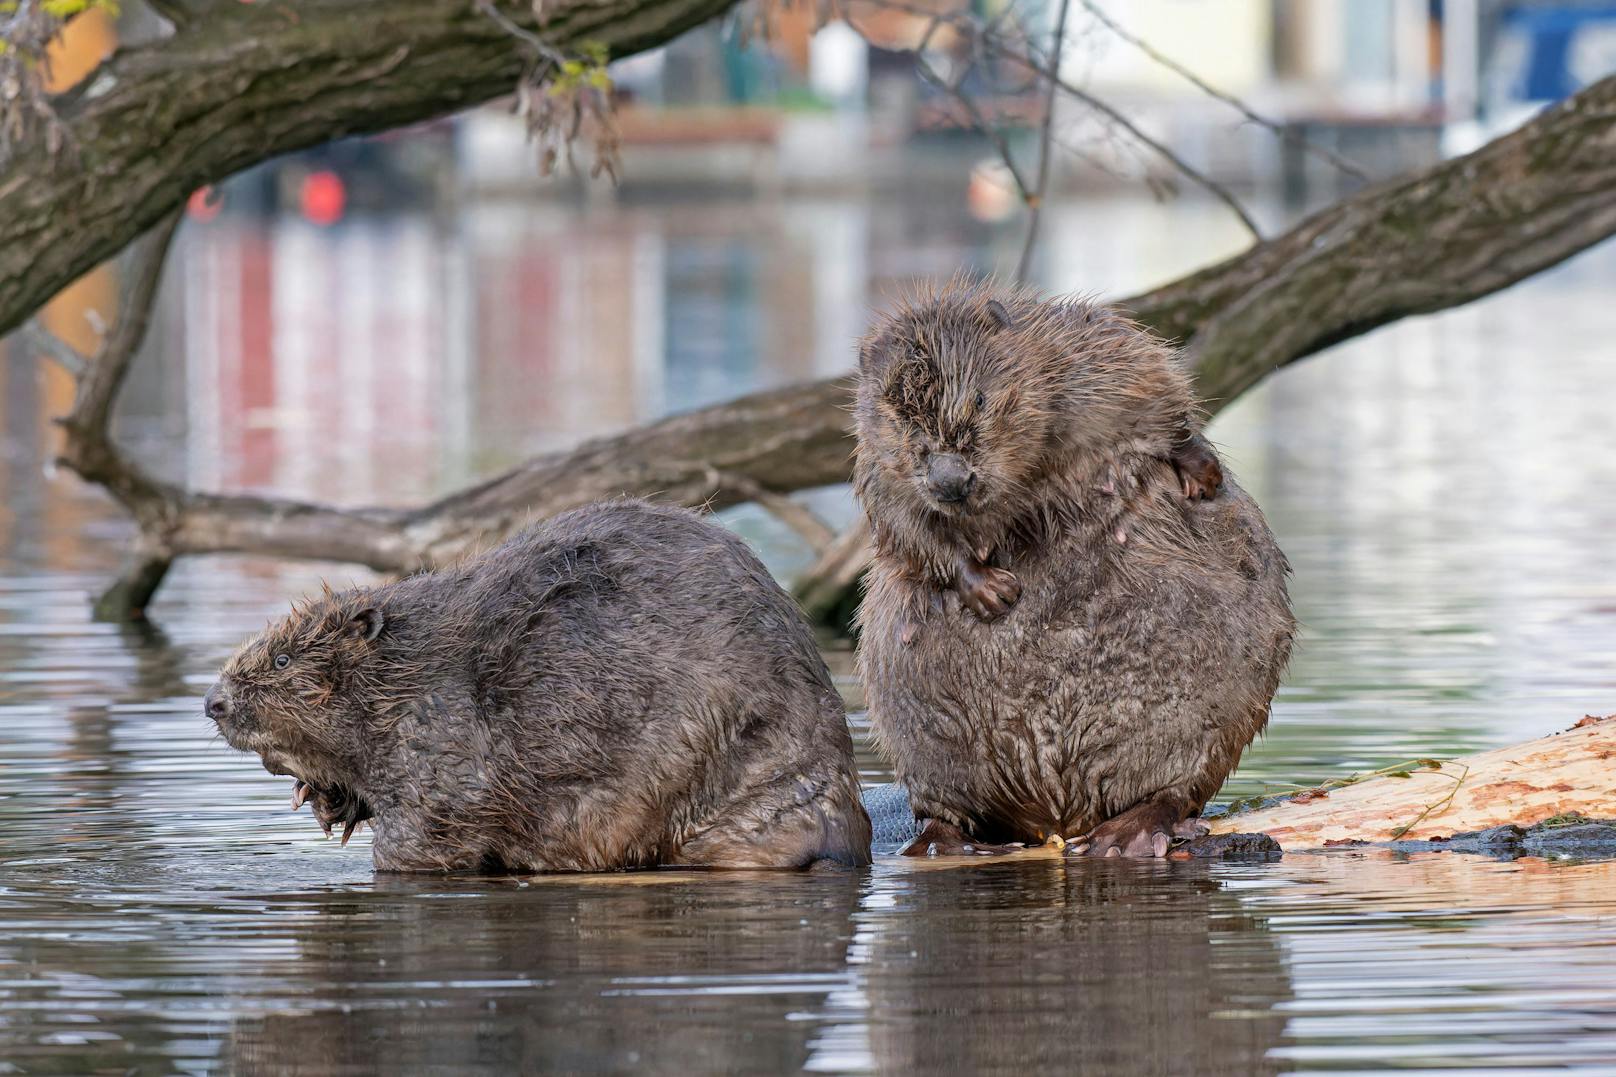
x,y
986,591
330,807
937,838
1143,831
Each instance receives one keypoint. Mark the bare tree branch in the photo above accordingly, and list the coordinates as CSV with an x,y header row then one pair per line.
x,y
987,38
33,337
1116,117
978,120
1458,231
251,81
88,447
795,515
1287,134
1045,149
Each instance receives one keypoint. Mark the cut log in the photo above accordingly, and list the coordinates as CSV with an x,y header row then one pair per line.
x,y
1570,773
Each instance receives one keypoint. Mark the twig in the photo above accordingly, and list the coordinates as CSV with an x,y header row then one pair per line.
x,y
987,38
1035,205
1440,805
34,337
1284,133
978,120
801,519
541,47
1115,116
929,74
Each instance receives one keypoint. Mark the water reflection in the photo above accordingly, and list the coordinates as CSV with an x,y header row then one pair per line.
x,y
1063,968
661,976
1442,486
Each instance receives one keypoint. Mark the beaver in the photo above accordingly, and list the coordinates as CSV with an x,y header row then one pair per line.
x,y
623,686
1054,639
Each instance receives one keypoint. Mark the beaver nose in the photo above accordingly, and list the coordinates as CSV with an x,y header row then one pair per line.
x,y
950,478
215,705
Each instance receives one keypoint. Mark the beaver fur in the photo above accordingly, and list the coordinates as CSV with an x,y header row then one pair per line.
x,y
623,686
1054,639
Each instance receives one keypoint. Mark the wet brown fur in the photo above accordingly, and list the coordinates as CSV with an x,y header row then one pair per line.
x,y
621,687
1147,633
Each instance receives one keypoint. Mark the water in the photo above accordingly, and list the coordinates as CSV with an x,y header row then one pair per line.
x,y
1444,489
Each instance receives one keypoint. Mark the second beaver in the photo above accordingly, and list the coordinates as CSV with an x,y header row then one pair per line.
x,y
624,686
1055,640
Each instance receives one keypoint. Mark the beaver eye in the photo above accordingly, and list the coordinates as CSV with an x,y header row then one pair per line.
x,y
981,400
282,661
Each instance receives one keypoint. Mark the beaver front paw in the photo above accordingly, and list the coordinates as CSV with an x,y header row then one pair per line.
x,y
1144,831
331,807
986,591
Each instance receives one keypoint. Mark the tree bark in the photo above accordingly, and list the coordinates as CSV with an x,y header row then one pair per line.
x,y
247,82
718,456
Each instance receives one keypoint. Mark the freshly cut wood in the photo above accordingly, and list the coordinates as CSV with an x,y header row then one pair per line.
x,y
1567,773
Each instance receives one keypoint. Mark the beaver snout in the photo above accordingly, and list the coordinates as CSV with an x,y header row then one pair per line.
x,y
216,705
949,478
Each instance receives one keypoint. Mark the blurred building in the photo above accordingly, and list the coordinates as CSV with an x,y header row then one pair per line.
x,y
1389,83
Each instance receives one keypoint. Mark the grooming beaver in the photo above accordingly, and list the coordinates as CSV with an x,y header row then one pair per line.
x,y
621,687
1028,454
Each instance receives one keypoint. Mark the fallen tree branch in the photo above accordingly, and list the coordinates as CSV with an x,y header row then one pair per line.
x,y
1455,233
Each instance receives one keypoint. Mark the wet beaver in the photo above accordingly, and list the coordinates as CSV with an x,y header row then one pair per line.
x,y
624,686
1055,640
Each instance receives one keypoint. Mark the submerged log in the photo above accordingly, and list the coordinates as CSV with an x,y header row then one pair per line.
x,y
1565,775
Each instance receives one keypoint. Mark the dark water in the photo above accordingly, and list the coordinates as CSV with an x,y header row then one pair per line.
x,y
1445,490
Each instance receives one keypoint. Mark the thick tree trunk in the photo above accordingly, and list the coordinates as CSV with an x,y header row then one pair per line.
x,y
246,82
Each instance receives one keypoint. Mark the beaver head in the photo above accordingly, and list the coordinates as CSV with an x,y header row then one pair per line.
x,y
969,395
295,695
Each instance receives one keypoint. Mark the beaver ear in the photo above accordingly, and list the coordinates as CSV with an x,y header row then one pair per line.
x,y
998,315
366,624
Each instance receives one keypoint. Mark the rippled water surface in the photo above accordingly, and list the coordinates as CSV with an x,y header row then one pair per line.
x,y
1445,489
